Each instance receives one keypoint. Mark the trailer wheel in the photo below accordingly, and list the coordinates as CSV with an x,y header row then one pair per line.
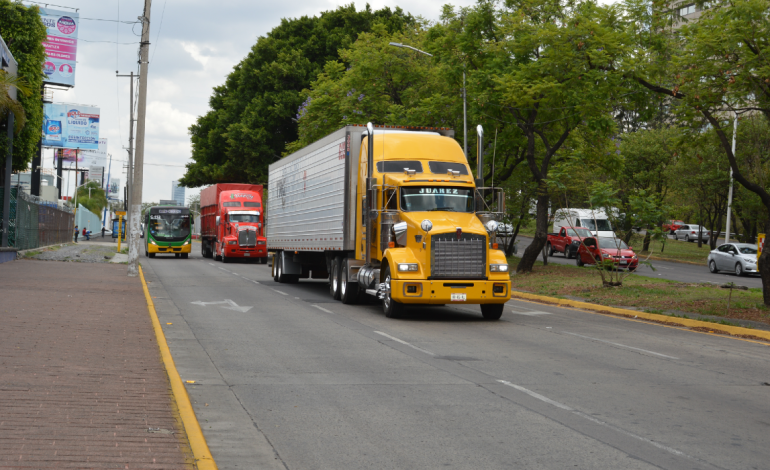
x,y
275,267
279,276
203,249
185,255
348,289
492,312
334,278
391,308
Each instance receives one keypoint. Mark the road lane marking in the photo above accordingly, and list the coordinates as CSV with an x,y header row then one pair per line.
x,y
225,270
592,419
536,395
531,313
282,293
620,345
322,309
212,264
404,343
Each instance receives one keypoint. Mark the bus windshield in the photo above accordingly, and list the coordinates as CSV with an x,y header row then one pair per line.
x,y
169,224
434,198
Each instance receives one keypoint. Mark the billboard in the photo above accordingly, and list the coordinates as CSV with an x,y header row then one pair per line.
x,y
98,157
70,126
60,46
96,173
113,192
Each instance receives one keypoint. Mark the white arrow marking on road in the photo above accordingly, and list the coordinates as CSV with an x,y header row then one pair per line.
x,y
232,305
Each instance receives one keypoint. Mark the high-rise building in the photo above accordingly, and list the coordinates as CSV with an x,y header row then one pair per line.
x,y
177,193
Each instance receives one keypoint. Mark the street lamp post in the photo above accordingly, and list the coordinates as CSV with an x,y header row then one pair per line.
x,y
730,195
465,108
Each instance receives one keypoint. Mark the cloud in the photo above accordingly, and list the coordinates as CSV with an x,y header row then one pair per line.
x,y
194,44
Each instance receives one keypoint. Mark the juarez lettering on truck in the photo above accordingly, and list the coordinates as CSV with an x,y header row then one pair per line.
x,y
392,213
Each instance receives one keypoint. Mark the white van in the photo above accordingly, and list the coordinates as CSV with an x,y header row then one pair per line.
x,y
594,220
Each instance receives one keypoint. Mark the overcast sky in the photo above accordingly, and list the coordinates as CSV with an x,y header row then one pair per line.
x,y
194,45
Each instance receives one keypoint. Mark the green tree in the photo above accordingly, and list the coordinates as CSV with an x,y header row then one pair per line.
x,y
550,73
711,68
92,197
253,113
24,33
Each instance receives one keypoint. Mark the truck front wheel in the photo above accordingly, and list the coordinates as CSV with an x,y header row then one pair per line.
x,y
391,308
492,312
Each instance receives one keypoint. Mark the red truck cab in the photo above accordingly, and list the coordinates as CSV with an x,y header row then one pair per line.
x,y
232,222
567,240
595,250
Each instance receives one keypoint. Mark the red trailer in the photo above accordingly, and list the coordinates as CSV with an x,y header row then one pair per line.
x,y
232,222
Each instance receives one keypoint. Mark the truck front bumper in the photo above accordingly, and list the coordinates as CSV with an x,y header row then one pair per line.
x,y
441,292
237,251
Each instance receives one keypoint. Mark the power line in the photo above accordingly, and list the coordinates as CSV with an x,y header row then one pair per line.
x,y
157,38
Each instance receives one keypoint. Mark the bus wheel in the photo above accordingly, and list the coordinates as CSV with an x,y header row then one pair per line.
x,y
176,255
185,255
146,254
152,255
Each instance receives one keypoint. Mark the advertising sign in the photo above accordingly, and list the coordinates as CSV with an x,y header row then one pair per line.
x,y
113,192
96,173
94,158
760,244
71,126
60,46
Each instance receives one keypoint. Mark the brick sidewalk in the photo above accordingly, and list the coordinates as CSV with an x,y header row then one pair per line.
x,y
81,378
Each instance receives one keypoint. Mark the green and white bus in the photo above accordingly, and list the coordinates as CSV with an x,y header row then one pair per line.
x,y
168,229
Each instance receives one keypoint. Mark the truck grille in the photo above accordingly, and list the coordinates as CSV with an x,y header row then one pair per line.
x,y
465,258
247,238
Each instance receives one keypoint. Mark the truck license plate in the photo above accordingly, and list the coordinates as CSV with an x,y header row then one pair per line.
x,y
247,254
458,297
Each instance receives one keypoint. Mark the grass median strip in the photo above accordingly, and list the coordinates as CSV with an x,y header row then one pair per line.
x,y
201,452
675,299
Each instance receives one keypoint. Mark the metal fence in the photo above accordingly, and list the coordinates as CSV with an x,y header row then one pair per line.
x,y
35,222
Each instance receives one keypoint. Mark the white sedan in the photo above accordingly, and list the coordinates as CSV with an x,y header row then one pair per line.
x,y
740,258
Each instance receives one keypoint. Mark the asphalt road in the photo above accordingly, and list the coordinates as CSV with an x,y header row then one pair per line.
x,y
286,378
673,271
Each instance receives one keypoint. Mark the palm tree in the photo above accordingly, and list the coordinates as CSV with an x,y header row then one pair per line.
x,y
7,103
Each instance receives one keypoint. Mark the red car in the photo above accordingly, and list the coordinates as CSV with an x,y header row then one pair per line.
x,y
672,225
609,249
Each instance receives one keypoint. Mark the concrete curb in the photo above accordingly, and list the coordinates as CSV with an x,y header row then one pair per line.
x,y
201,452
686,322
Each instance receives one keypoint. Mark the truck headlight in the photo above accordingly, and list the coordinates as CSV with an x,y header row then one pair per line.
x,y
407,267
492,226
260,242
498,268
231,242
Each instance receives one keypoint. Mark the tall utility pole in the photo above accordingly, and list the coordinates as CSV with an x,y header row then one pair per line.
x,y
130,169
136,195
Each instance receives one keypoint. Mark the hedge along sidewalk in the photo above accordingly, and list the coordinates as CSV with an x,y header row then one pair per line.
x,y
658,296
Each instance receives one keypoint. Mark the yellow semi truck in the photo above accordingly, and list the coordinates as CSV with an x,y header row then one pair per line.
x,y
390,212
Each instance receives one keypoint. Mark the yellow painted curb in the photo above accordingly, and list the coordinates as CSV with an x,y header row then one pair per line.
x,y
200,449
733,330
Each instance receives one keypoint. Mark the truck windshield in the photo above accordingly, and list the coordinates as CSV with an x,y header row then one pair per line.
x,y
433,198
169,224
253,218
602,225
